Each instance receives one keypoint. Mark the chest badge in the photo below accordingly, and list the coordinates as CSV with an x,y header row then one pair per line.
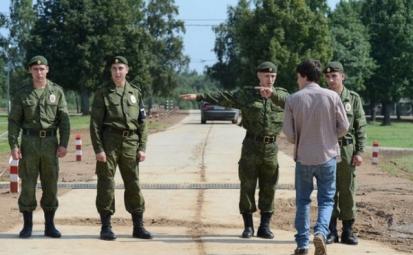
x,y
347,106
133,99
52,98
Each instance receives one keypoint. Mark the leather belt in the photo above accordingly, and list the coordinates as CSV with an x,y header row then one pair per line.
x,y
344,142
42,133
119,131
266,139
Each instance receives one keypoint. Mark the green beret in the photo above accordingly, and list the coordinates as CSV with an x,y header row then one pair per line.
x,y
334,66
267,67
119,60
37,60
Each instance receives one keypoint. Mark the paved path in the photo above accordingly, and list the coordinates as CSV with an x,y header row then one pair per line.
x,y
184,221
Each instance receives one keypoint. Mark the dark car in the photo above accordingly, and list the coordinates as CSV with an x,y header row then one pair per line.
x,y
217,112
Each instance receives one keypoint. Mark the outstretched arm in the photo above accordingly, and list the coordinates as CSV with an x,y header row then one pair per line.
x,y
188,97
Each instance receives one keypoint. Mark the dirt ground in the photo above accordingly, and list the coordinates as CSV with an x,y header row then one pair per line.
x,y
384,202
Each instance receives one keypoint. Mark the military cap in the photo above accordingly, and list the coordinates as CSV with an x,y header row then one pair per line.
x,y
37,60
267,67
119,60
333,66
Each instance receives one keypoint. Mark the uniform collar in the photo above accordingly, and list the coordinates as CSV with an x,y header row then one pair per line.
x,y
345,93
127,87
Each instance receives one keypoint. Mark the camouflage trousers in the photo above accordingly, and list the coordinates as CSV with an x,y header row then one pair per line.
x,y
38,159
120,152
344,199
258,164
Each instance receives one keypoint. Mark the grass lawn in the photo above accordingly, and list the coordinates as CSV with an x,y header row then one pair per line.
x,y
76,122
398,164
398,134
3,124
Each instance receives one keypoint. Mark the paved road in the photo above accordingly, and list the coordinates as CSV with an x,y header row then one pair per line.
x,y
184,221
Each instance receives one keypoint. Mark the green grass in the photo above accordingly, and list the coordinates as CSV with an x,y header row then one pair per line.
x,y
398,164
79,122
398,134
3,124
76,122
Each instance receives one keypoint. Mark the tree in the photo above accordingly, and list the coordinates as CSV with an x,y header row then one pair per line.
x,y
166,45
227,46
350,43
351,46
192,82
77,36
3,59
282,31
390,27
20,23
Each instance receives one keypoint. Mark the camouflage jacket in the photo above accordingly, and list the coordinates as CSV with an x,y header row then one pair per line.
x,y
29,111
117,110
356,117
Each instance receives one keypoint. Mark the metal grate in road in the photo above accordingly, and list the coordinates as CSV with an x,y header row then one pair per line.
x,y
157,186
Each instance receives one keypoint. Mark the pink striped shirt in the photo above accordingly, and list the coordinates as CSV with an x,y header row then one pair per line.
x,y
314,119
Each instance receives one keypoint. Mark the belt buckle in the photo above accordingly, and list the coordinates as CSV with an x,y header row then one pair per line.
x,y
42,133
267,139
125,133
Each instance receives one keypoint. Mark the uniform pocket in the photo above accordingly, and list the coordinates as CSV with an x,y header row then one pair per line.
x,y
29,108
133,109
51,109
113,106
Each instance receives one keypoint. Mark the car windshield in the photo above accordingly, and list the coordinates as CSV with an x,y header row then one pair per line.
x,y
207,106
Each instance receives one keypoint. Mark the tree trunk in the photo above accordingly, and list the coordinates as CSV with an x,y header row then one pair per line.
x,y
398,111
84,101
77,102
150,104
372,107
386,113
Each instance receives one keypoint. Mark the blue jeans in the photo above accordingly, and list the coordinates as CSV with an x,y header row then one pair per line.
x,y
325,175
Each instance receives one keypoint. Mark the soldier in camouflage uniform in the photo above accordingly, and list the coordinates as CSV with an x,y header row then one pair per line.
x,y
119,134
352,147
39,109
262,118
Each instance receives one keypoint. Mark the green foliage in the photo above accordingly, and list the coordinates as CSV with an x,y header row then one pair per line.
x,y
390,27
350,43
192,82
166,45
285,32
20,23
79,36
3,60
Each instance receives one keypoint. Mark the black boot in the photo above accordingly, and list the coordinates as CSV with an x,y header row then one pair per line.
x,y
348,237
138,230
49,228
26,232
248,225
333,236
106,232
264,230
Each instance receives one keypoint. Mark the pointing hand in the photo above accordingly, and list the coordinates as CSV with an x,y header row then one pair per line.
x,y
188,97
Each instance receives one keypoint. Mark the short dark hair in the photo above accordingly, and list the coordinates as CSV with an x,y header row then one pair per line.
x,y
311,69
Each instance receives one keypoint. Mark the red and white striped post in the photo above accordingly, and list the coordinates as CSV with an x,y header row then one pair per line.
x,y
375,154
78,144
14,175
